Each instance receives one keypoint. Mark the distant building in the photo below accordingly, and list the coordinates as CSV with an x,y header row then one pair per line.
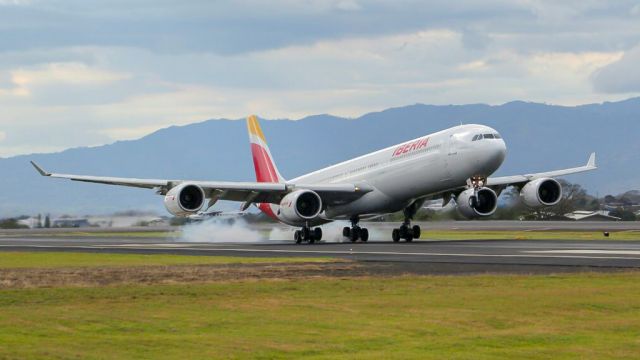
x,y
70,223
31,222
583,215
127,221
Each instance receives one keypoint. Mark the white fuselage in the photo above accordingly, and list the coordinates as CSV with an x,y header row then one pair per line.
x,y
400,174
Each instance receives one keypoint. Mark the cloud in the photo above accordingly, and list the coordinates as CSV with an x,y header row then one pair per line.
x,y
233,27
162,62
621,76
65,73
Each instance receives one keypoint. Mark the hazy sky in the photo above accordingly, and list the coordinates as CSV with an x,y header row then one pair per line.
x,y
85,73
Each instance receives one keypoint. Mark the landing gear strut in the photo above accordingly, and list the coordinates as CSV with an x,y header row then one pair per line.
x,y
355,232
476,183
306,234
406,231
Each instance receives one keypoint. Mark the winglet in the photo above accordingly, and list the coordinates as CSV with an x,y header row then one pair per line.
x,y
592,161
40,170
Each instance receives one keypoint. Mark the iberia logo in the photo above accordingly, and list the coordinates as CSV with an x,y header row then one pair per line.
x,y
412,146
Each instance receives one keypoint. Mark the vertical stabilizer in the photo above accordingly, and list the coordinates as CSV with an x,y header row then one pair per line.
x,y
265,167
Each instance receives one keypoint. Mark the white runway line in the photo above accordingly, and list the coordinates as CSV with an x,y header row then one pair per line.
x,y
594,251
338,252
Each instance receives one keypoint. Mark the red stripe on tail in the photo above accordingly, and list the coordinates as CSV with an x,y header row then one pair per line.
x,y
264,167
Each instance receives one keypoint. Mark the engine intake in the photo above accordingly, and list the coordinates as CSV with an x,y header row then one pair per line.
x,y
184,199
300,205
485,205
541,192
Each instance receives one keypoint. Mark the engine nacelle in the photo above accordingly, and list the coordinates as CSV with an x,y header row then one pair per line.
x,y
184,199
486,204
541,192
300,205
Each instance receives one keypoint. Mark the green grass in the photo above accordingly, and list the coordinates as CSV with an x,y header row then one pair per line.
x,y
68,259
526,235
439,317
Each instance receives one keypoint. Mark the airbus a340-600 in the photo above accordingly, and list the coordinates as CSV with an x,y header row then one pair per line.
x,y
454,163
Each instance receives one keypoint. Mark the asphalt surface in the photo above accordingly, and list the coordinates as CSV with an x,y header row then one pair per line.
x,y
471,225
512,256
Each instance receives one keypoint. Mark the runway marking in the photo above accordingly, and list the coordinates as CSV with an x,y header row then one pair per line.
x,y
586,251
330,252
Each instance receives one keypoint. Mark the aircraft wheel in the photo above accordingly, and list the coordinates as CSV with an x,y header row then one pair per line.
x,y
409,237
317,234
395,235
364,234
416,231
306,234
297,236
346,231
404,230
355,234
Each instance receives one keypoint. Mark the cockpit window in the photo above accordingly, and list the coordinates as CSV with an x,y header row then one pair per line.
x,y
497,136
488,136
477,137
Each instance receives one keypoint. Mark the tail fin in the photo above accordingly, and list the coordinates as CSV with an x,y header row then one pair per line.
x,y
266,170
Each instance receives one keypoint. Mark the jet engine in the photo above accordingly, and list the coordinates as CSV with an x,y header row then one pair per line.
x,y
300,205
541,192
471,207
184,199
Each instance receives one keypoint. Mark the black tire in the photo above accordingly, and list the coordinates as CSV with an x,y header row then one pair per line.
x,y
364,235
355,234
312,240
416,231
317,234
404,231
306,234
297,236
395,235
346,231
409,237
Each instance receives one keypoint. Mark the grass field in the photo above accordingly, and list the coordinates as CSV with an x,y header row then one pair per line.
x,y
434,317
475,317
68,259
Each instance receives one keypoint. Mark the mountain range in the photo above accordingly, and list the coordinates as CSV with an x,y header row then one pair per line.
x,y
539,137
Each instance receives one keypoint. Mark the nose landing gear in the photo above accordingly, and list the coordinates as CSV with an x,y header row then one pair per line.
x,y
476,183
355,232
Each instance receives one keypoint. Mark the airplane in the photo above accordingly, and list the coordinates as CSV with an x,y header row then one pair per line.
x,y
456,163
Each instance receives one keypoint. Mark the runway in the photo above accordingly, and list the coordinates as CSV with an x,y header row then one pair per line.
x,y
421,256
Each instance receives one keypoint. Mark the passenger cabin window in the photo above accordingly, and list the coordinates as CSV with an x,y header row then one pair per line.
x,y
488,136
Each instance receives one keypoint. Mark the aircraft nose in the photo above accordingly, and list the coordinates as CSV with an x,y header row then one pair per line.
x,y
499,151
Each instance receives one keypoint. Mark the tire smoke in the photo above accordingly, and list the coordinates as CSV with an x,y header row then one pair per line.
x,y
220,230
238,230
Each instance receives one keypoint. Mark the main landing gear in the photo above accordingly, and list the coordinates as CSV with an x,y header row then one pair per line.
x,y
406,231
355,232
306,234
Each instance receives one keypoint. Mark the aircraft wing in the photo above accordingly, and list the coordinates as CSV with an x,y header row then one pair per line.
x,y
249,192
505,181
